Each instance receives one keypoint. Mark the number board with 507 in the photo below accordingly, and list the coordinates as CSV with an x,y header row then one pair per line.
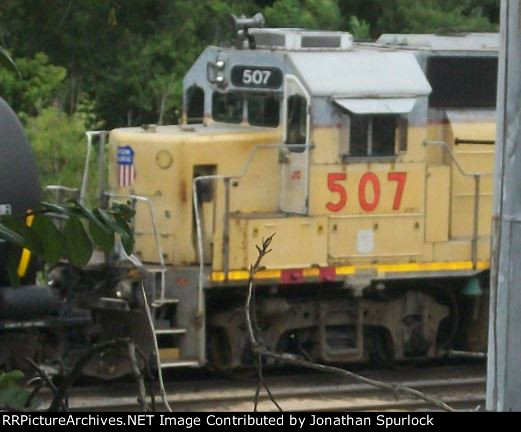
x,y
256,77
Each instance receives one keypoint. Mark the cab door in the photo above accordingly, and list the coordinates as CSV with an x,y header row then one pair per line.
x,y
294,158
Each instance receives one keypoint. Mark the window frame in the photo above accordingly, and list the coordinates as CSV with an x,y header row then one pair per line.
x,y
290,145
276,97
240,96
400,136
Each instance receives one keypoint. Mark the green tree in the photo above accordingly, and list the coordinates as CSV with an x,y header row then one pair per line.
x,y
59,144
311,14
127,58
410,16
36,87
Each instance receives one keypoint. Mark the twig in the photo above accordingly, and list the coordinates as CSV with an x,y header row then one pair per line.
x,y
262,252
142,397
74,374
150,379
292,359
46,381
38,386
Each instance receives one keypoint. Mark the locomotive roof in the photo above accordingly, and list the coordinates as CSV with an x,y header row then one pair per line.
x,y
360,73
436,42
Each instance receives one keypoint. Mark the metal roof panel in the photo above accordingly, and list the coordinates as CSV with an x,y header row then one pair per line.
x,y
377,106
458,42
361,74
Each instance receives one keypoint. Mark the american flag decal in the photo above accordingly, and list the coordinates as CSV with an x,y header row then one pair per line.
x,y
126,170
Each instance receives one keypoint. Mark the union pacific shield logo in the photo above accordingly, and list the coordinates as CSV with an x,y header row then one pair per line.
x,y
126,170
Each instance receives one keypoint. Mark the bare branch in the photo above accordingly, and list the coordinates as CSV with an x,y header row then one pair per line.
x,y
46,380
74,374
292,359
138,376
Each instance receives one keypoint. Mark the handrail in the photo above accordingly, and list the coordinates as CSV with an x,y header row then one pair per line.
x,y
453,157
154,227
60,188
85,180
199,231
477,186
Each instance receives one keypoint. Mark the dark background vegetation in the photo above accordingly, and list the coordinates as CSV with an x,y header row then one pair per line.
x,y
90,64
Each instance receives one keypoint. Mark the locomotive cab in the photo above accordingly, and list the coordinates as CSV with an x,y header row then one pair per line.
x,y
322,142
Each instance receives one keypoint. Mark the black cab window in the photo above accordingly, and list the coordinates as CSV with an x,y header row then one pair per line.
x,y
296,122
194,105
263,110
227,107
377,135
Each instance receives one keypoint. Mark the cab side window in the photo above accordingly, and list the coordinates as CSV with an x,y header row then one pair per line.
x,y
377,135
296,122
194,105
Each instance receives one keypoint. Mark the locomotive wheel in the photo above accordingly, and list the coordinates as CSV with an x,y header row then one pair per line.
x,y
381,350
219,357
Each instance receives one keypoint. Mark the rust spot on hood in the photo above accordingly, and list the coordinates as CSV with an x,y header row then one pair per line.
x,y
182,191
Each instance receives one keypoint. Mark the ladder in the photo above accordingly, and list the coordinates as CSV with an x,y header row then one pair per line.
x,y
166,330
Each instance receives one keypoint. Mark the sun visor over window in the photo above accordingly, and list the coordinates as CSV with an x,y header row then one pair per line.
x,y
377,106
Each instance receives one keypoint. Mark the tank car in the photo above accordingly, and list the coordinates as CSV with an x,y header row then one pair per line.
x,y
31,320
372,165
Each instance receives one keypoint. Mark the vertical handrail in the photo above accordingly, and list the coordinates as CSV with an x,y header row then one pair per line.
x,y
475,229
477,188
101,163
154,228
199,229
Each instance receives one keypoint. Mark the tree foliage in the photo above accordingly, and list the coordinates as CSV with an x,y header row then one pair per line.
x,y
129,57
58,141
35,87
96,63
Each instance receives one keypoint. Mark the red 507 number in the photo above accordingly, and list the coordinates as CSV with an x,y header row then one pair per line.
x,y
368,182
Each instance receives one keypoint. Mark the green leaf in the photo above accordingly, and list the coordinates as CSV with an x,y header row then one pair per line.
x,y
90,216
124,210
13,259
13,396
48,207
127,237
11,236
7,61
102,237
31,239
50,236
7,378
78,247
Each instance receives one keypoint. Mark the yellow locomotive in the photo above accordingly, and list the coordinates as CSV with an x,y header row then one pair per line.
x,y
372,163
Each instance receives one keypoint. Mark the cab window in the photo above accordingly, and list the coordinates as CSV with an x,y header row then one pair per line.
x,y
227,107
296,122
377,135
194,105
263,110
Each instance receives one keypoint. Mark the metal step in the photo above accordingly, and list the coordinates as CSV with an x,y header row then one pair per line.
x,y
181,363
163,302
156,269
170,331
